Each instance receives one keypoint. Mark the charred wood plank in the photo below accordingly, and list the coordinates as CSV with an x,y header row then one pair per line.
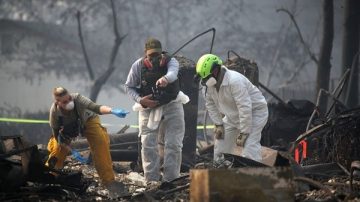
x,y
114,139
244,184
124,155
313,183
325,169
125,145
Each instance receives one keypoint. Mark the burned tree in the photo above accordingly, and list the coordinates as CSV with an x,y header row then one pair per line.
x,y
350,48
323,62
101,80
324,65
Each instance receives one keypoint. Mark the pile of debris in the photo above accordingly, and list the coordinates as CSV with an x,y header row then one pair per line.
x,y
336,140
24,176
321,164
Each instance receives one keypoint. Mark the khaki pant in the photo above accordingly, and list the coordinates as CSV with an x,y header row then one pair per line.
x,y
99,142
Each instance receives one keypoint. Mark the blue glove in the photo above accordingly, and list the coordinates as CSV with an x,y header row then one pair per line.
x,y
119,112
78,157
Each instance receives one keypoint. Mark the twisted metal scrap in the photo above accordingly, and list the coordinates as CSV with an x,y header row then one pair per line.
x,y
338,138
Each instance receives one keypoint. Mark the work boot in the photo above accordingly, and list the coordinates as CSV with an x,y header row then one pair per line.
x,y
167,185
150,185
116,189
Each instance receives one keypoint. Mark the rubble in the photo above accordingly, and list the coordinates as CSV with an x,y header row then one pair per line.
x,y
24,175
325,181
335,140
320,164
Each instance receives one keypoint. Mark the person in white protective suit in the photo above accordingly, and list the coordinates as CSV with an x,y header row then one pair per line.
x,y
153,83
237,108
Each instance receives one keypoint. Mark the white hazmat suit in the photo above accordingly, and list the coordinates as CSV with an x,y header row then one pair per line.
x,y
241,108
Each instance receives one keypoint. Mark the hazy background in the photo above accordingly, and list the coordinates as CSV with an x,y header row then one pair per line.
x,y
252,28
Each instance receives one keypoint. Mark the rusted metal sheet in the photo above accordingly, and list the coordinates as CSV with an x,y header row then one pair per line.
x,y
244,184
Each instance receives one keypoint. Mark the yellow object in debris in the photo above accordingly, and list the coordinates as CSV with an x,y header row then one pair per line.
x,y
99,142
57,153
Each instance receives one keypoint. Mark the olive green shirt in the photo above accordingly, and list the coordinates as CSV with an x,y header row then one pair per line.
x,y
84,109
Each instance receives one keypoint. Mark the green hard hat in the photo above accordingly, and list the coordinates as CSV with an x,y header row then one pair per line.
x,y
205,64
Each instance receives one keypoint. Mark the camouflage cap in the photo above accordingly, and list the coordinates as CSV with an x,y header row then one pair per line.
x,y
152,45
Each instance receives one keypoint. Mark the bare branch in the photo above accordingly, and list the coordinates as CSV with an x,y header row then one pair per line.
x,y
88,65
116,30
115,49
105,76
275,58
294,74
311,54
118,39
352,72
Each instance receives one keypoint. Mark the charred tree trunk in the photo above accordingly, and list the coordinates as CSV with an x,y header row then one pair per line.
x,y
350,48
101,80
86,57
324,66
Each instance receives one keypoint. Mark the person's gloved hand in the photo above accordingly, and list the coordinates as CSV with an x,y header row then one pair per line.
x,y
79,157
219,132
241,139
119,112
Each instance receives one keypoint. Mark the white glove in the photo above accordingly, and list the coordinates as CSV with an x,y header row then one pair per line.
x,y
219,132
241,139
